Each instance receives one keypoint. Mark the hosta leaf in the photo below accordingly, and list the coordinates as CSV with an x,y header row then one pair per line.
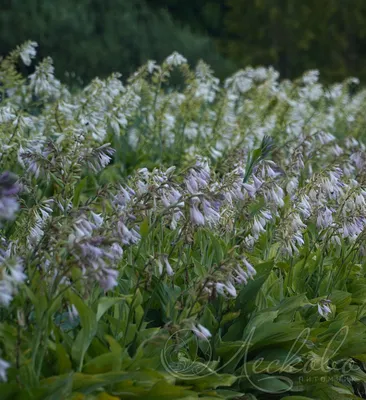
x,y
63,359
104,363
164,390
212,380
105,303
89,328
88,383
247,295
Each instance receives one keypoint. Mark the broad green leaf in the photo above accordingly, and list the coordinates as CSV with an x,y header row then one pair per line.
x,y
78,189
105,303
89,328
104,363
247,295
144,227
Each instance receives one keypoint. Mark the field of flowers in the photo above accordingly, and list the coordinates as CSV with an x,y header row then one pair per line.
x,y
177,237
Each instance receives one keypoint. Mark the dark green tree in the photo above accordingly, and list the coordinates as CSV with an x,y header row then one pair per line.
x,y
98,37
298,35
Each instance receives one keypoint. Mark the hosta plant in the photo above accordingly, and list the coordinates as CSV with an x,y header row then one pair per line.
x,y
200,239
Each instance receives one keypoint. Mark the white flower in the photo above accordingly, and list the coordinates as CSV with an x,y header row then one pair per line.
x,y
27,52
169,269
73,312
43,82
6,293
223,288
151,66
311,77
7,114
176,59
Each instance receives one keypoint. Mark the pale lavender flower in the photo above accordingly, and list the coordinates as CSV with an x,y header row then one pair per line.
x,y
250,269
108,279
201,332
230,289
211,215
12,275
6,292
304,206
127,236
8,190
250,189
116,250
325,218
4,365
258,225
241,276
197,217
168,268
324,309
98,220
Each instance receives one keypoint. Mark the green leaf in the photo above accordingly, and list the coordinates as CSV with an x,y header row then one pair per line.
x,y
86,334
107,302
144,227
57,388
63,359
78,189
297,398
212,380
247,295
104,363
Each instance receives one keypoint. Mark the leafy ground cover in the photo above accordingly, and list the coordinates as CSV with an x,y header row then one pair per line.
x,y
195,240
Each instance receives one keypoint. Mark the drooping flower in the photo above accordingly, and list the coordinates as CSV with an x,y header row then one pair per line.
x,y
201,332
11,275
197,217
323,308
28,52
8,191
168,268
175,59
4,365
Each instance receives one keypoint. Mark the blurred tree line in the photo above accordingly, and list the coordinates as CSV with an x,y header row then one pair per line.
x,y
96,37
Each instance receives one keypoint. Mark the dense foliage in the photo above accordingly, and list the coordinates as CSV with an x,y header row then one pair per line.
x,y
291,35
325,34
91,38
98,37
166,242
